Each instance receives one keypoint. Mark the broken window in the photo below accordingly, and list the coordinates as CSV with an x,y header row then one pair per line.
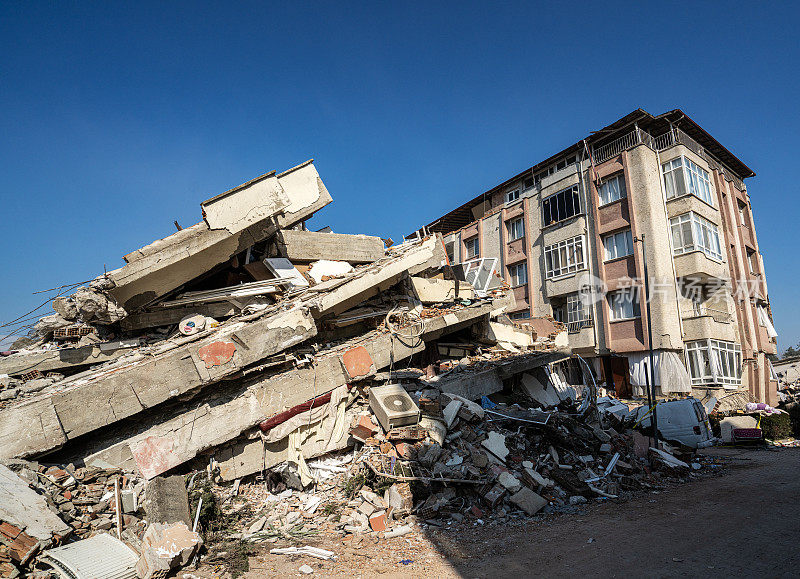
x,y
564,257
472,248
623,304
743,214
618,245
691,232
752,260
516,229
714,362
611,189
682,176
450,248
518,274
524,315
527,183
561,206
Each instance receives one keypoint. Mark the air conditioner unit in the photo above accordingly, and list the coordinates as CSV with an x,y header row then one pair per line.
x,y
393,406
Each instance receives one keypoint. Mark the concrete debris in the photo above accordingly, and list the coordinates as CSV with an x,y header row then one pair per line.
x,y
326,374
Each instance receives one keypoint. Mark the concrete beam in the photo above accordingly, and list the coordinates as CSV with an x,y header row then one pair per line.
x,y
170,316
49,360
218,417
307,246
434,291
166,264
110,394
336,296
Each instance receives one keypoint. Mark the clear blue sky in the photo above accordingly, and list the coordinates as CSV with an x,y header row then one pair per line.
x,y
118,118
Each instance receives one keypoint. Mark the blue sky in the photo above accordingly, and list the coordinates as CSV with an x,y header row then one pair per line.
x,y
119,118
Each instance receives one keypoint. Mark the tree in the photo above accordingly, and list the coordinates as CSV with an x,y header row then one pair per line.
x,y
789,352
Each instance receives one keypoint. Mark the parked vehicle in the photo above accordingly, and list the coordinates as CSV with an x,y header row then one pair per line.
x,y
683,421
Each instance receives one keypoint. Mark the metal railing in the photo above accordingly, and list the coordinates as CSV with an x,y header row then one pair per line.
x,y
660,143
576,327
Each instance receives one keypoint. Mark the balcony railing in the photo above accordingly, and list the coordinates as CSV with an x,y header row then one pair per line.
x,y
659,143
576,327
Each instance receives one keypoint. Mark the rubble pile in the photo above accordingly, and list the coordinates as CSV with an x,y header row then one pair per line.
x,y
246,345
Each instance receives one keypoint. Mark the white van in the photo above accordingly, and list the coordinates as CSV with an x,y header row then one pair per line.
x,y
684,421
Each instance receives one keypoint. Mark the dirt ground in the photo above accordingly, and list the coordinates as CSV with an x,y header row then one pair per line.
x,y
744,523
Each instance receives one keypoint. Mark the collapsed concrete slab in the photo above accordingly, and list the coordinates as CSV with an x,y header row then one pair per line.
x,y
49,360
239,219
218,417
169,316
83,404
339,295
307,246
26,522
433,291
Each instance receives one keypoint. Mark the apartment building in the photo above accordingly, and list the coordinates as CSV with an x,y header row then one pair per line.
x,y
573,234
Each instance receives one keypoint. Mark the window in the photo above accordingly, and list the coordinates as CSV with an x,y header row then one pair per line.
x,y
611,189
518,274
682,176
516,229
450,248
561,206
714,362
743,214
623,304
752,261
526,315
618,245
559,314
512,196
690,232
471,245
577,310
564,257
765,321
527,183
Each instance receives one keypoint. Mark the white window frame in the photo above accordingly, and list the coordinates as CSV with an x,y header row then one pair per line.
x,y
565,203
712,362
472,248
513,195
623,304
612,189
518,274
577,310
565,257
692,232
516,229
682,176
617,245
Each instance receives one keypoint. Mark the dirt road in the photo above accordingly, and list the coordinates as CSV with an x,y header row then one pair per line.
x,y
743,524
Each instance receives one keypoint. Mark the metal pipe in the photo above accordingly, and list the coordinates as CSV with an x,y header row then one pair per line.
x,y
651,377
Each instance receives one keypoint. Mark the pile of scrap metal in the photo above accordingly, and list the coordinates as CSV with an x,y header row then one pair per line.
x,y
243,342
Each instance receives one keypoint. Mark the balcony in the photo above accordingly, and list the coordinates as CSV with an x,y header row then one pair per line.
x,y
698,264
581,335
704,322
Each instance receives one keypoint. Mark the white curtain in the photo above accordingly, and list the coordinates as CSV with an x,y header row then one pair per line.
x,y
763,319
669,372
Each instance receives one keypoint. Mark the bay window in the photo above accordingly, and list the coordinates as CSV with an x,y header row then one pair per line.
x,y
618,245
682,176
714,362
691,232
564,257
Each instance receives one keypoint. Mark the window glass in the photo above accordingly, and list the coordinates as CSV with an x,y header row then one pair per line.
x,y
618,245
471,246
516,229
564,257
691,232
577,310
518,274
611,189
682,176
512,196
623,304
